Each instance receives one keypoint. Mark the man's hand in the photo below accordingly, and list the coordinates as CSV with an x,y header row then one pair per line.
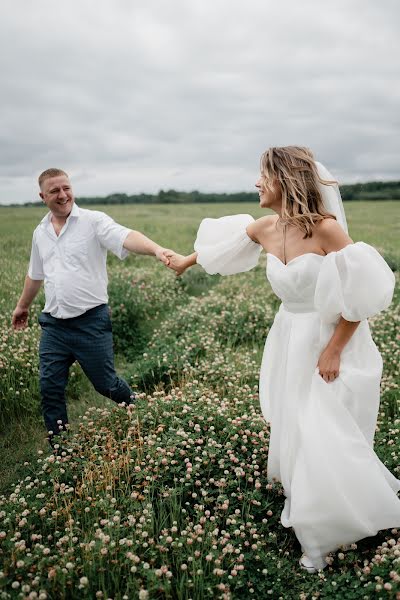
x,y
20,314
20,318
329,364
161,254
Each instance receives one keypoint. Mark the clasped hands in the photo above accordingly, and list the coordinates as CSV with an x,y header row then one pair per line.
x,y
174,261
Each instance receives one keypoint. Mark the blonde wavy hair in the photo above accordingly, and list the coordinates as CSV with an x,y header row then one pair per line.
x,y
294,168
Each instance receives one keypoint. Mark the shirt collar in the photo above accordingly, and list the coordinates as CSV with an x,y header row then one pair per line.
x,y
75,212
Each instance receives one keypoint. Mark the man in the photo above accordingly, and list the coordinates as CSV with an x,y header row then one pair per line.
x,y
69,253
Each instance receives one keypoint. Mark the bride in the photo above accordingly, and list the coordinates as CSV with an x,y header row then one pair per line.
x,y
321,370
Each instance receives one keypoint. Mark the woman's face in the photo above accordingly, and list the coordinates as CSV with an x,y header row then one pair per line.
x,y
270,197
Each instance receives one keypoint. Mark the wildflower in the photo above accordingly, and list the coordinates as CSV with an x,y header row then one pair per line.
x,y
387,586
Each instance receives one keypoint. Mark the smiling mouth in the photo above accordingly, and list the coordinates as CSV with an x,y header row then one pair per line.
x,y
62,203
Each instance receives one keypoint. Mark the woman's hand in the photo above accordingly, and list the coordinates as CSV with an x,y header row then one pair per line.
x,y
177,262
329,364
329,361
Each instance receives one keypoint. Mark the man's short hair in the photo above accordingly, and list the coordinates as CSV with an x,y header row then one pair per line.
x,y
50,173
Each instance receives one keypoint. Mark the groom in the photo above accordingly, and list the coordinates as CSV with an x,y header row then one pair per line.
x,y
69,253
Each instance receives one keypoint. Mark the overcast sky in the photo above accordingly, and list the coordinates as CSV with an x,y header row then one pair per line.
x,y
130,96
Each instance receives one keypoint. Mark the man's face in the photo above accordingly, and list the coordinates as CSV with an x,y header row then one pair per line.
x,y
56,193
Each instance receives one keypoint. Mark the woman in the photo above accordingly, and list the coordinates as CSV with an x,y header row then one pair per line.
x,y
321,370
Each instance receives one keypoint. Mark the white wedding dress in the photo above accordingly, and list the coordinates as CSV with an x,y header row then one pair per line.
x,y
321,446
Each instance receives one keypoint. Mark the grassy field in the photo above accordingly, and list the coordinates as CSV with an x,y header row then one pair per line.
x,y
171,501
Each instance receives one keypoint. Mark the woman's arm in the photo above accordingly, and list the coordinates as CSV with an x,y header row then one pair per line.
x,y
332,238
329,361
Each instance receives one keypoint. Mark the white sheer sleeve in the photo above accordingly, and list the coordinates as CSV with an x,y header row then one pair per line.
x,y
223,246
355,282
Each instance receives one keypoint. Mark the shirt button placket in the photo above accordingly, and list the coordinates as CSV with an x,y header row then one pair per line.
x,y
56,276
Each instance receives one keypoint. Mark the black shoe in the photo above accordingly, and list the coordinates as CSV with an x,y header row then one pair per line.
x,y
132,402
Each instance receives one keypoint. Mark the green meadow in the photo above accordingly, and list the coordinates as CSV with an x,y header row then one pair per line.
x,y
171,501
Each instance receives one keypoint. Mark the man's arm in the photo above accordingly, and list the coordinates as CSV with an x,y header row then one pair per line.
x,y
140,244
20,314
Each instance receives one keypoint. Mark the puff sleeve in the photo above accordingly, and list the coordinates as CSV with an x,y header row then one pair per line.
x,y
355,282
223,246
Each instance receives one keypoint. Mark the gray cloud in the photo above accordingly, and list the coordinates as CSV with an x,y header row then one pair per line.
x,y
133,97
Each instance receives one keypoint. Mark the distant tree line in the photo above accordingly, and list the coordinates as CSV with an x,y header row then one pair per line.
x,y
374,190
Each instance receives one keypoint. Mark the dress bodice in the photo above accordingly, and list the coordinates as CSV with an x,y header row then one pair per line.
x,y
355,282
295,282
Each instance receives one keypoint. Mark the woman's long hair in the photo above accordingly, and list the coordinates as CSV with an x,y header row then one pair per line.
x,y
295,169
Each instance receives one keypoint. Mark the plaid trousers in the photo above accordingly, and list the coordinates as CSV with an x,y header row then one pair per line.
x,y
86,339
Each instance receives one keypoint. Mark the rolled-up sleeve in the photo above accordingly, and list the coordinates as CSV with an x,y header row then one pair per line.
x,y
110,234
35,269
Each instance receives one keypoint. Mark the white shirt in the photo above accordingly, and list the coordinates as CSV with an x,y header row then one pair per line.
x,y
73,264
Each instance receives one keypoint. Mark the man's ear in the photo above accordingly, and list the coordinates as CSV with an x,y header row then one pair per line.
x,y
41,195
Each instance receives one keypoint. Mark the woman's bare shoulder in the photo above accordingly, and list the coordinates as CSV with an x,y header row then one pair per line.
x,y
331,235
261,225
265,222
